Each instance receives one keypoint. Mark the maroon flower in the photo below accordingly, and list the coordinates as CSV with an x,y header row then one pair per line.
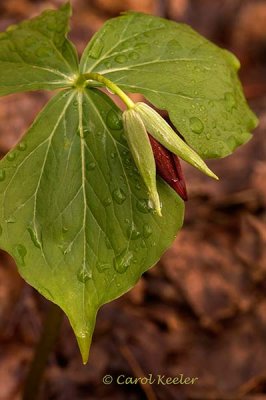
x,y
169,168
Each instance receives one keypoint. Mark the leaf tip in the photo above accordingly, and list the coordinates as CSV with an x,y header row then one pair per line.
x,y
84,343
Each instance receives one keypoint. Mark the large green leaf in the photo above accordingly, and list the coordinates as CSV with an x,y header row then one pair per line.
x,y
74,210
35,54
177,70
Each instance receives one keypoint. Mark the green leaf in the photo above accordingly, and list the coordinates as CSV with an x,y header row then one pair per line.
x,y
74,211
177,70
35,54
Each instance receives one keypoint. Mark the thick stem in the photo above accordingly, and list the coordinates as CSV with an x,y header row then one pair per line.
x,y
110,85
46,343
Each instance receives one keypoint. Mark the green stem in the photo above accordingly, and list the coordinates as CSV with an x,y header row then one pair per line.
x,y
46,343
110,85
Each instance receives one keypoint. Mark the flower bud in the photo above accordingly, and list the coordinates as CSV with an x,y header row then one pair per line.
x,y
141,150
164,134
169,168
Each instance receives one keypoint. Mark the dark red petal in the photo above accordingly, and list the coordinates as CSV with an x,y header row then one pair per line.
x,y
169,168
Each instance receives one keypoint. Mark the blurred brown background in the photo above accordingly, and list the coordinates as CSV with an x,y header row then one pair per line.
x,y
202,310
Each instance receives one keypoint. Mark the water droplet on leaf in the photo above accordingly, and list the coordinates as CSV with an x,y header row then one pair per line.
x,y
229,101
20,253
2,175
96,49
107,202
119,196
11,156
84,275
134,56
102,267
132,232
91,166
22,146
10,220
143,206
123,261
147,231
34,237
114,121
43,52
196,125
121,59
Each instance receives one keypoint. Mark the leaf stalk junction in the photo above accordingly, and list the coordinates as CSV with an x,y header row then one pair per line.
x,y
94,79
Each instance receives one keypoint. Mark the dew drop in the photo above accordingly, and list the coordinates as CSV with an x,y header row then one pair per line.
x,y
102,267
20,253
141,46
133,56
96,49
113,121
121,59
85,133
91,166
113,155
143,206
143,244
43,52
10,220
34,237
147,231
229,101
196,125
107,201
11,156
208,136
84,275
119,196
99,134
123,261
108,64
22,146
2,175
132,232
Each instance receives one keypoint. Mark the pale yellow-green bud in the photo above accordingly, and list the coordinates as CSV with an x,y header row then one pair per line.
x,y
140,147
164,134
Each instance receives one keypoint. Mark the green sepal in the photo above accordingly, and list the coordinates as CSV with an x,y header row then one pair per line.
x,y
165,135
141,150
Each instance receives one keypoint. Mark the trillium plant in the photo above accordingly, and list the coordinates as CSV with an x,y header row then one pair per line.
x,y
92,195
